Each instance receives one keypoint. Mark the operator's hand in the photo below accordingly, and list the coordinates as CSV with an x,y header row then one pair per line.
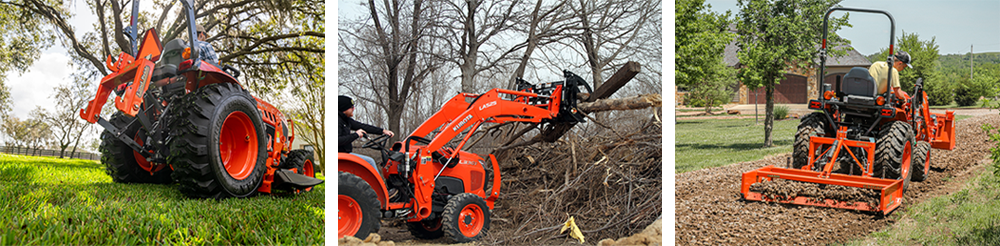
x,y
388,132
361,133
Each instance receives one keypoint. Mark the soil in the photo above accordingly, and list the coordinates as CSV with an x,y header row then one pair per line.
x,y
709,209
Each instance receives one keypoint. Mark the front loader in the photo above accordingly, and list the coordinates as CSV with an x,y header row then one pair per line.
x,y
442,189
197,126
860,138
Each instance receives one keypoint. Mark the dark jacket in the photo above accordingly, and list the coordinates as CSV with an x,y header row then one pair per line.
x,y
345,134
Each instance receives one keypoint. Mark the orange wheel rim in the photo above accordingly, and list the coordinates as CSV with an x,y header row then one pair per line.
x,y
905,163
470,220
308,167
349,216
238,145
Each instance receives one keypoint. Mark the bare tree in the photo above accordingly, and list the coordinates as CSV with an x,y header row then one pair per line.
x,y
386,56
66,125
610,32
472,25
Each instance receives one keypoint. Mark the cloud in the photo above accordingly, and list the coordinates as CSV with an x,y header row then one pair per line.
x,y
34,86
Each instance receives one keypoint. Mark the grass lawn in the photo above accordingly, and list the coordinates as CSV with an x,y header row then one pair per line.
x,y
979,104
45,200
970,216
718,142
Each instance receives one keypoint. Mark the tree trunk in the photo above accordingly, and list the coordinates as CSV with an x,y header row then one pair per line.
x,y
628,103
769,113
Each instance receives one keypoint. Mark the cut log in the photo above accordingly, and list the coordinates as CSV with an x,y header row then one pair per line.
x,y
636,102
617,81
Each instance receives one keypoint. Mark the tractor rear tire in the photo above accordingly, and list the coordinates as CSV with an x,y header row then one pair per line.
x,y
921,159
466,218
811,125
357,207
124,164
217,142
426,229
894,152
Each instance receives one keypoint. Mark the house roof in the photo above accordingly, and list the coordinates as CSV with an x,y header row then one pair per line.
x,y
852,59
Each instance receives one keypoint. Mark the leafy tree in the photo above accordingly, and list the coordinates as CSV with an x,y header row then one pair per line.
x,y
714,90
775,35
21,41
66,125
923,57
701,37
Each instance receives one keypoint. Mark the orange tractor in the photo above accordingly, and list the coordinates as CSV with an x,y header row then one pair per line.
x,y
200,128
861,139
443,190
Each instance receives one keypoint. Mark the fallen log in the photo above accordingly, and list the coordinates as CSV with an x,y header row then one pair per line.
x,y
628,103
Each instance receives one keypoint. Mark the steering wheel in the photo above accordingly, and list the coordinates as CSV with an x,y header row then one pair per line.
x,y
377,143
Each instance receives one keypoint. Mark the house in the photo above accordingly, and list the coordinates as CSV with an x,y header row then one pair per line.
x,y
799,84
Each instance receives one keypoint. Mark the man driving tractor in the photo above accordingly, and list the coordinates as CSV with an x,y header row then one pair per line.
x,y
879,69
346,124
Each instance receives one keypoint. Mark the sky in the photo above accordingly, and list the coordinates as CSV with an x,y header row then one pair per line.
x,y
34,87
954,25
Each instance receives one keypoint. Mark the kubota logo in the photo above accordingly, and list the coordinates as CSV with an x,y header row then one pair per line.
x,y
491,104
461,123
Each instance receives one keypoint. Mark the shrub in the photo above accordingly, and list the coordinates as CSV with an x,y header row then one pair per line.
x,y
780,112
939,92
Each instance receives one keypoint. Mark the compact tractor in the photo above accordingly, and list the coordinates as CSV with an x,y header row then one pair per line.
x,y
442,189
199,128
861,139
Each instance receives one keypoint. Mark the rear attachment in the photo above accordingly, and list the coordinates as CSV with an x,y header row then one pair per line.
x,y
825,188
770,184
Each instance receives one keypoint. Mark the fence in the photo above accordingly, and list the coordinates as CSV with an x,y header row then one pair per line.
x,y
48,152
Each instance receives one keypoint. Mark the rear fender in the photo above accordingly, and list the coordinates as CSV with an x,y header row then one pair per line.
x,y
204,74
359,167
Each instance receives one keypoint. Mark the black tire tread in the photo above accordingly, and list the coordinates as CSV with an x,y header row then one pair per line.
x,y
118,160
355,187
810,125
889,150
189,141
449,222
922,153
417,230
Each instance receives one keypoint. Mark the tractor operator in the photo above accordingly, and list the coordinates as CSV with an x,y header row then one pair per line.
x,y
880,69
205,51
347,124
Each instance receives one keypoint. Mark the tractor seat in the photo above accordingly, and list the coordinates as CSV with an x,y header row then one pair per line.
x,y
859,87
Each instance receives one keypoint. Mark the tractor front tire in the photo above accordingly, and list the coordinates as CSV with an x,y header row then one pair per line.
x,y
357,207
217,142
124,164
921,159
810,125
894,152
466,218
426,229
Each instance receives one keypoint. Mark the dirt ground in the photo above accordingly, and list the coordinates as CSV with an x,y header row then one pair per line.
x,y
709,210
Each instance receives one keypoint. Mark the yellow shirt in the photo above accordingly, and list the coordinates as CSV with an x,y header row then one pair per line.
x,y
878,72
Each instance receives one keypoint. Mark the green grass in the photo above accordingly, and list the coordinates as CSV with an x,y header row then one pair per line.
x,y
718,142
970,216
979,104
46,201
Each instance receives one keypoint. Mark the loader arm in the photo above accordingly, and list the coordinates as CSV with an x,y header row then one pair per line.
x,y
457,115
